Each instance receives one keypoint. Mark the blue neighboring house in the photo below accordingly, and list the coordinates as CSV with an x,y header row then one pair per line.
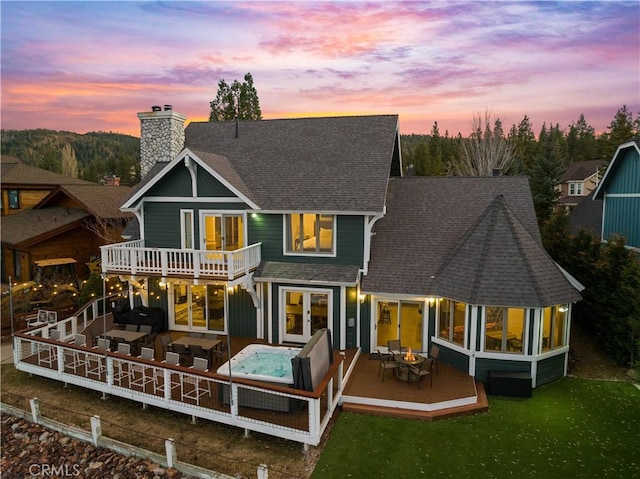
x,y
274,229
619,191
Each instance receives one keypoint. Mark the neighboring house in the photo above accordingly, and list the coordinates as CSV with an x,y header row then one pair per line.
x,y
580,179
23,186
275,229
72,221
619,191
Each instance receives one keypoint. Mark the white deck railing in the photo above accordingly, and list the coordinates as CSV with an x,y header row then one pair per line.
x,y
170,387
133,257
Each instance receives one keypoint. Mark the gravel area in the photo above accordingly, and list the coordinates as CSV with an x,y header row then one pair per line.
x,y
29,450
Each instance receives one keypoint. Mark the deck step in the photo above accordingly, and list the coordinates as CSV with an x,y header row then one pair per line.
x,y
481,406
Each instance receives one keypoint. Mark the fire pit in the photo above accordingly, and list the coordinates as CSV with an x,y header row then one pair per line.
x,y
403,371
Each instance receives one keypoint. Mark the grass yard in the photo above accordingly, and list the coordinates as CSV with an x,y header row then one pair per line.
x,y
571,428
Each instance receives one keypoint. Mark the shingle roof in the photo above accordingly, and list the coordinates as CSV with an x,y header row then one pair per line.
x,y
310,273
35,223
314,164
587,215
581,170
101,201
432,241
14,172
497,262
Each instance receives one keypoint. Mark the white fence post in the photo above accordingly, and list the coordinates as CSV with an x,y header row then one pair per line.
x,y
35,410
96,429
170,448
263,471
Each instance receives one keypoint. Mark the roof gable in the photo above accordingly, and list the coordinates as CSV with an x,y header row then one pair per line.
x,y
99,201
625,162
304,164
175,179
581,170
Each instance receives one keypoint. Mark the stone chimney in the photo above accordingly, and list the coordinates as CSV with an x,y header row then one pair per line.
x,y
161,136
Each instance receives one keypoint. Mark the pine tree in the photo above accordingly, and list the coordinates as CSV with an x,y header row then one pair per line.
x,y
241,98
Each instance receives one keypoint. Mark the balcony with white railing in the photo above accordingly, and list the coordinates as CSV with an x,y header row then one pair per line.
x,y
132,257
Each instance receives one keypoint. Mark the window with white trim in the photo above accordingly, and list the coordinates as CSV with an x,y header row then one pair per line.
x,y
554,327
452,321
186,226
310,233
504,329
575,188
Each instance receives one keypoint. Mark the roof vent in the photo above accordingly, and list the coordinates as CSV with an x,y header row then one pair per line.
x,y
156,108
496,172
168,107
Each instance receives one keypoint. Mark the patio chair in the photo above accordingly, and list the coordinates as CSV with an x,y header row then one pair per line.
x,y
48,353
141,374
196,392
422,370
198,352
386,362
394,346
97,364
158,375
131,327
184,353
103,344
220,352
195,335
77,359
433,354
165,339
121,368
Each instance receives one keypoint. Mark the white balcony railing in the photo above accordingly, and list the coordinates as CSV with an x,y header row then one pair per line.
x,y
132,257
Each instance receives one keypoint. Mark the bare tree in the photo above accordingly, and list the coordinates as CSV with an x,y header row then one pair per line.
x,y
108,229
485,150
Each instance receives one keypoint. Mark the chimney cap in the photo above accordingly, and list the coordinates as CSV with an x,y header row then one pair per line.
x,y
168,107
156,108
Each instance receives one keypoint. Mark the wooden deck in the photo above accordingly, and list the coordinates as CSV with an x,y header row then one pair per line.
x,y
454,393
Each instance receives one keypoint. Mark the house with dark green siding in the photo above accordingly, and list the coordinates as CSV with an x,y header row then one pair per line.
x,y
619,191
275,229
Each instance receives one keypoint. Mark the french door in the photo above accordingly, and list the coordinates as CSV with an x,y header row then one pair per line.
x,y
197,307
222,232
305,311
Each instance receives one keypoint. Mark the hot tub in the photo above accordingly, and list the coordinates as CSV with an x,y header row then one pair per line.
x,y
262,362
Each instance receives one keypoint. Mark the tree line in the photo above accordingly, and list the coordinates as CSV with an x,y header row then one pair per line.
x,y
90,156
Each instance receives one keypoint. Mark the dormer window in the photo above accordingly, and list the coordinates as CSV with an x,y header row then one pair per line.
x,y
310,233
575,188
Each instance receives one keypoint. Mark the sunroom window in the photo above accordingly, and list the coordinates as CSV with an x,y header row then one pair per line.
x,y
452,321
504,329
554,326
309,233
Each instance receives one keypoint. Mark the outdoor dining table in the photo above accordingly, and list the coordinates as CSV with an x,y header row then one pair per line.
x,y
124,335
403,371
205,343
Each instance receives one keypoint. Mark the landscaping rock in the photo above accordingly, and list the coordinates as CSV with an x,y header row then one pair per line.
x,y
29,450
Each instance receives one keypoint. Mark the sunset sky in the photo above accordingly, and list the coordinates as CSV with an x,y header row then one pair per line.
x,y
91,66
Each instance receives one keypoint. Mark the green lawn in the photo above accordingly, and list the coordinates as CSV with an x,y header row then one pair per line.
x,y
570,428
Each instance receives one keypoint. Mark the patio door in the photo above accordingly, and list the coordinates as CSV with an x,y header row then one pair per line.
x,y
222,232
399,320
197,307
305,312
